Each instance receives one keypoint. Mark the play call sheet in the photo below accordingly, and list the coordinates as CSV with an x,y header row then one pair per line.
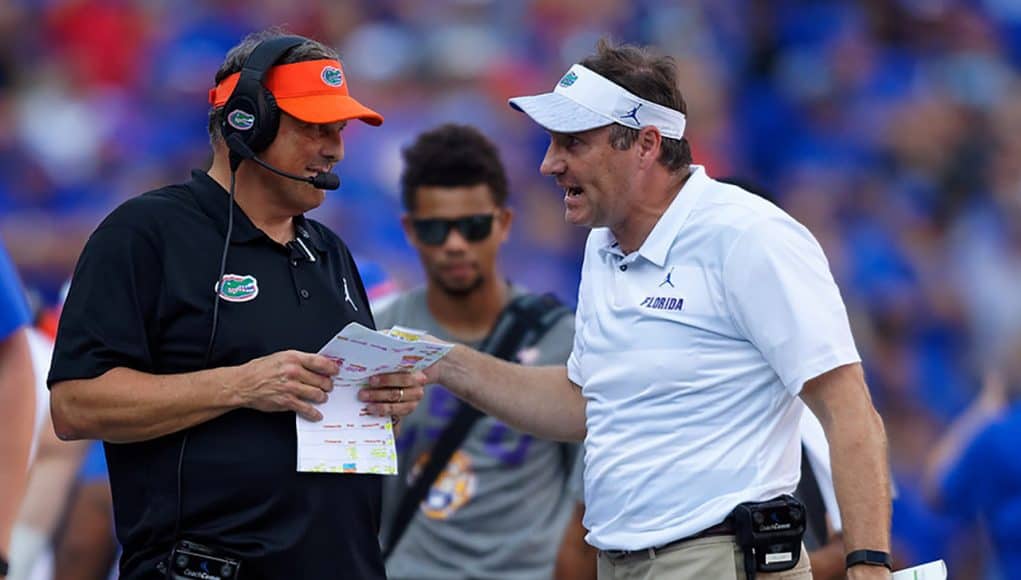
x,y
349,439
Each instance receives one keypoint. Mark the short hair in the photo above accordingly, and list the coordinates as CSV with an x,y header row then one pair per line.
x,y
236,57
452,156
654,78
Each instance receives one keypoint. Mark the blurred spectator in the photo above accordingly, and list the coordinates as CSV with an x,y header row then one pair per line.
x,y
57,493
51,477
17,401
974,469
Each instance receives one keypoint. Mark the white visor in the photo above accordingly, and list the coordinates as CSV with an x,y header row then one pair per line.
x,y
584,100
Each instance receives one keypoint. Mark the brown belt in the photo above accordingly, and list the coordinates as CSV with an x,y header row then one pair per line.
x,y
724,528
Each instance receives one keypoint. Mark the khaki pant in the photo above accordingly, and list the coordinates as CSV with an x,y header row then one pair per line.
x,y
713,558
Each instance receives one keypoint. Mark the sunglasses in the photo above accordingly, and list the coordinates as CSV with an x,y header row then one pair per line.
x,y
433,232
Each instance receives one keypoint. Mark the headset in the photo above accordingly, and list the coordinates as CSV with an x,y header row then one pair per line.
x,y
251,116
252,101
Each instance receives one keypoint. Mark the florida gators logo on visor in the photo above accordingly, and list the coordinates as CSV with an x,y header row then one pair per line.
x,y
332,76
241,120
313,91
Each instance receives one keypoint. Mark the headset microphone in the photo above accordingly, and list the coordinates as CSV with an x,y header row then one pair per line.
x,y
240,151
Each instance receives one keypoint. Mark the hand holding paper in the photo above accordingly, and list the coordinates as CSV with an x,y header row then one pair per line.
x,y
355,437
393,394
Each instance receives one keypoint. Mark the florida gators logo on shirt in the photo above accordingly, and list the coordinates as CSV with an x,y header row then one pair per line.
x,y
236,288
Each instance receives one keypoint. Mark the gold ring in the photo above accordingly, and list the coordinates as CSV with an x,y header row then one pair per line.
x,y
401,398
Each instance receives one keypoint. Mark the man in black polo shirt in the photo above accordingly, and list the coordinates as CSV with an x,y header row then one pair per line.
x,y
197,403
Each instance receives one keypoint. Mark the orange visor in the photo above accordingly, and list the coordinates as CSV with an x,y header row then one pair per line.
x,y
314,91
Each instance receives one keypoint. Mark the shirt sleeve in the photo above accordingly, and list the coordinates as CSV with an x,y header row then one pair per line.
x,y
14,311
782,297
109,318
581,314
577,348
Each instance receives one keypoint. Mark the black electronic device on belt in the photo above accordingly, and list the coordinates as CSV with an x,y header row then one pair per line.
x,y
190,560
770,534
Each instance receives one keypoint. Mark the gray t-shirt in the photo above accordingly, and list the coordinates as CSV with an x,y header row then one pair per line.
x,y
499,508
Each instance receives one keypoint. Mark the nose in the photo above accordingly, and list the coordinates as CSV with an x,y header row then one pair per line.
x,y
332,144
455,241
552,163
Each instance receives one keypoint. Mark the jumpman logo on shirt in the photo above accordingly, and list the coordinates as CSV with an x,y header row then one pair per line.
x,y
347,296
667,279
633,114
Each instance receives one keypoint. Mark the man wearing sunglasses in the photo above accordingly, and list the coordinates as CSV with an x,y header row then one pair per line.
x,y
499,507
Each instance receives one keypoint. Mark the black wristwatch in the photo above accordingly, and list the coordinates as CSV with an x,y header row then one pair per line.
x,y
869,558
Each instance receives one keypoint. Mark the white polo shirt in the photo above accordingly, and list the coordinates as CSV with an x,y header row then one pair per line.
x,y
691,352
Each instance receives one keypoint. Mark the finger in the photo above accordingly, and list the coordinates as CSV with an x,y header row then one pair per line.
x,y
319,364
401,379
432,372
306,411
391,395
309,394
305,376
413,394
391,409
296,373
383,394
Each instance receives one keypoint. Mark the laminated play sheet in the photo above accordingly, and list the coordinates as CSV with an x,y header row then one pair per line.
x,y
349,439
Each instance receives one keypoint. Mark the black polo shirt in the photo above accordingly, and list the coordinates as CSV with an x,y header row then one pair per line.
x,y
142,298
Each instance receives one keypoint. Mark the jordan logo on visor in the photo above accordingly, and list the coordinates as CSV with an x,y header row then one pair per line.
x,y
633,114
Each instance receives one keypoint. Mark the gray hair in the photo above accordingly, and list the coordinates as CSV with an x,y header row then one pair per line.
x,y
236,57
651,77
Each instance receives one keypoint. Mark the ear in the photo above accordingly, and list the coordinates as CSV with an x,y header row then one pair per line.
x,y
648,146
504,219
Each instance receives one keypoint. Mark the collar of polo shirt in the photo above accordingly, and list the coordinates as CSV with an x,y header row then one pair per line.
x,y
584,100
659,241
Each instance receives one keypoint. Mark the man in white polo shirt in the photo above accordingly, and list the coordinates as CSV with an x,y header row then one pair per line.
x,y
703,313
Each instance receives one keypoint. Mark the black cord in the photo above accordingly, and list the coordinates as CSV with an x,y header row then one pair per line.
x,y
750,566
209,347
223,269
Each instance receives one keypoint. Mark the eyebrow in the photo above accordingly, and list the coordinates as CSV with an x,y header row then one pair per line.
x,y
558,135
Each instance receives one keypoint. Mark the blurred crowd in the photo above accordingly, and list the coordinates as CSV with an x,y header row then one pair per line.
x,y
891,128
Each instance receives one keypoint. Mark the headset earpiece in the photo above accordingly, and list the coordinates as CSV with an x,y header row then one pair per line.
x,y
251,111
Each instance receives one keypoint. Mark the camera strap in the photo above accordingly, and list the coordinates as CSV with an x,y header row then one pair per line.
x,y
521,324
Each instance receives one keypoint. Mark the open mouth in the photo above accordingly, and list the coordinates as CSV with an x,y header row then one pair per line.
x,y
573,191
